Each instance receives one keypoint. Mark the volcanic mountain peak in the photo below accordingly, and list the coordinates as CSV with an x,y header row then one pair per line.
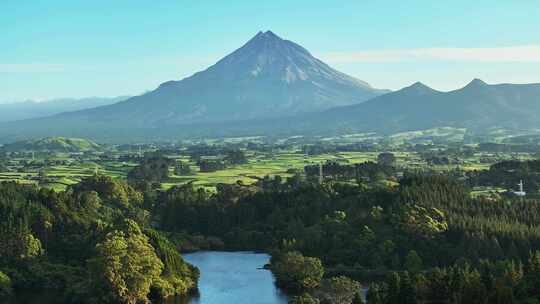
x,y
265,37
267,55
268,77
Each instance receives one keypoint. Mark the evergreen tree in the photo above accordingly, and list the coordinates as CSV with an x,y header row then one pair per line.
x,y
358,299
532,273
413,262
375,294
407,290
393,282
305,298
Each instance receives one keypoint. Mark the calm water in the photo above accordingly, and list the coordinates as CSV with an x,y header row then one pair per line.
x,y
226,277
233,277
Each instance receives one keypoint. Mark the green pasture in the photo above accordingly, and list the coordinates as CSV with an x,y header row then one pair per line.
x,y
283,163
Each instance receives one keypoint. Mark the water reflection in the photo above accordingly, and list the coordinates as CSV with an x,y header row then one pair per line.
x,y
232,277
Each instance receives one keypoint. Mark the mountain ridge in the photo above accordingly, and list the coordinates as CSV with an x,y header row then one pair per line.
x,y
476,106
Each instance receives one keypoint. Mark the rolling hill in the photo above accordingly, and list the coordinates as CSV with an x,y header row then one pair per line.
x,y
52,144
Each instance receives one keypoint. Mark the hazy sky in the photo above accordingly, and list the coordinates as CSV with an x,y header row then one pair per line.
x,y
66,48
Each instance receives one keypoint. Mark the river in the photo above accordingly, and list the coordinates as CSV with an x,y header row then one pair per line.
x,y
232,277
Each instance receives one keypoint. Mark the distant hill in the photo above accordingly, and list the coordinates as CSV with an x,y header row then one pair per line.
x,y
54,144
477,106
32,109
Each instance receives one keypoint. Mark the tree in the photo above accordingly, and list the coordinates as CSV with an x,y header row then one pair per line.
x,y
413,262
211,165
386,159
375,295
474,290
125,265
532,273
17,241
296,272
236,157
182,168
439,287
394,285
154,169
5,285
304,298
407,291
340,290
42,174
178,277
422,222
110,190
358,299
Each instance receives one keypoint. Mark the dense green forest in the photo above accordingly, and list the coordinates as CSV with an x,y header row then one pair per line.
x,y
423,240
92,243
428,228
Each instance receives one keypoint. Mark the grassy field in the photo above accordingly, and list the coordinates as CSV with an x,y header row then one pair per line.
x,y
283,163
260,165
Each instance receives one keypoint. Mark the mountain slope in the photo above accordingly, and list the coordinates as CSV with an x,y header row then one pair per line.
x,y
267,77
476,106
31,109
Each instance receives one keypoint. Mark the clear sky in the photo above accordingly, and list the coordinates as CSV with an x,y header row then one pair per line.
x,y
67,48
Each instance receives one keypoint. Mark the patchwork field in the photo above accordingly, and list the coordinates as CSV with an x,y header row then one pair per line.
x,y
283,163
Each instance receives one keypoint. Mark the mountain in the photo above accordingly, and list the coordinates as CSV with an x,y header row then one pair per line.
x,y
53,144
477,106
32,109
271,86
267,77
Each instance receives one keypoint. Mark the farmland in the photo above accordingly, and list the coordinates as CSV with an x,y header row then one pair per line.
x,y
58,170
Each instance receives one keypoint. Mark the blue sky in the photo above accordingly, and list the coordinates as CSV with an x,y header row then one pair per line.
x,y
62,48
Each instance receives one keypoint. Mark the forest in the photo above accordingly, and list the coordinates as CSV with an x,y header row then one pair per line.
x,y
426,240
92,244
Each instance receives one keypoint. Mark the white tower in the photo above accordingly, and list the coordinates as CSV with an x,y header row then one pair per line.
x,y
520,192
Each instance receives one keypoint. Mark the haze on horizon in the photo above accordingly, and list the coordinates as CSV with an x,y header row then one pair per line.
x,y
68,49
